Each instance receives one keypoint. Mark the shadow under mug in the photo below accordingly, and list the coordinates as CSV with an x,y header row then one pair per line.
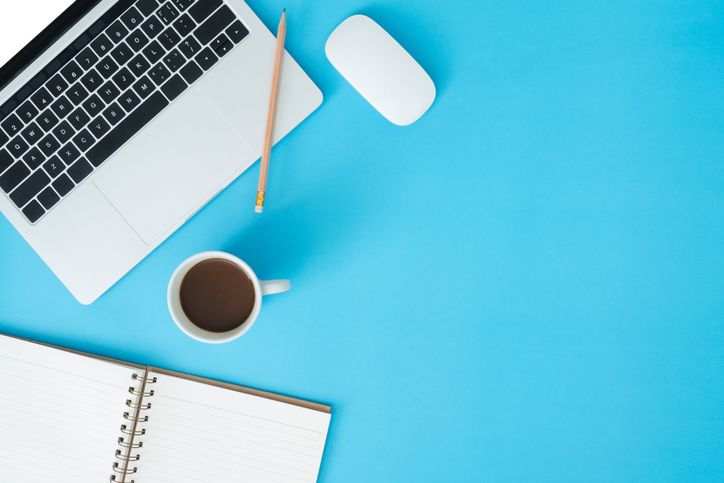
x,y
261,288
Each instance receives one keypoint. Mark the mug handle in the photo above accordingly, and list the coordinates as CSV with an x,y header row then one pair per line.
x,y
271,287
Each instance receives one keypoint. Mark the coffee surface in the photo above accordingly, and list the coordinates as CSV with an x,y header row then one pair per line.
x,y
217,295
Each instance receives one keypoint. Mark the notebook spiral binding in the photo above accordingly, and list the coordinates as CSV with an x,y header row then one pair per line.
x,y
127,442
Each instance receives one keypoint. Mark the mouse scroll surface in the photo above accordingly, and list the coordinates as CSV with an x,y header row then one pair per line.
x,y
381,70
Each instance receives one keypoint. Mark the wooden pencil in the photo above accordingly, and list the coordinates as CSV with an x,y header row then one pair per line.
x,y
271,115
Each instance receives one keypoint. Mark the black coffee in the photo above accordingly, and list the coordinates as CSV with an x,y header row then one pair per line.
x,y
217,295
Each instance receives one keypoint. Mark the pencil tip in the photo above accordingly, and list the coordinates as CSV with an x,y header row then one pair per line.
x,y
284,10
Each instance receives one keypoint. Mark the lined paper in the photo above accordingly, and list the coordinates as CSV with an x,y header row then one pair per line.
x,y
202,433
60,414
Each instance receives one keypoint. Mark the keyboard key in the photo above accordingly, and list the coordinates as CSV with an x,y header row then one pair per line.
x,y
17,147
47,120
57,85
32,133
14,176
114,114
152,26
93,105
29,188
5,160
214,25
129,100
107,67
54,166
87,58
127,128
123,79
167,13
63,185
159,74
122,53
144,87
69,153
191,72
80,170
147,7
139,65
109,92
63,132
206,58
3,138
182,4
61,107
12,125
42,98
137,40
99,127
77,94
33,212
174,60
102,45
92,80
221,45
48,198
132,18
174,87
78,118
237,32
84,140
49,145
71,72
169,38
184,25
117,31
203,9
190,47
27,112
34,158
154,52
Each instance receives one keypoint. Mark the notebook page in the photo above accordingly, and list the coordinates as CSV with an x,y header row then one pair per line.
x,y
60,414
201,433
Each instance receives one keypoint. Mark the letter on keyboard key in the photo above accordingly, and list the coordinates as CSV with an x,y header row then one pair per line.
x,y
127,128
214,25
174,87
29,188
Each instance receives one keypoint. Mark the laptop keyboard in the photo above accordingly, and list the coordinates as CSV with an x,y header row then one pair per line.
x,y
104,88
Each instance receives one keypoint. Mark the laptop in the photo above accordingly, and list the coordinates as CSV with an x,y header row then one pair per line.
x,y
120,119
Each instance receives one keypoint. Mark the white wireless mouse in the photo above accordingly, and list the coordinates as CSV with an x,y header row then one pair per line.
x,y
381,70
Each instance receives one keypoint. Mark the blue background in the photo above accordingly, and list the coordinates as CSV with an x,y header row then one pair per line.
x,y
525,285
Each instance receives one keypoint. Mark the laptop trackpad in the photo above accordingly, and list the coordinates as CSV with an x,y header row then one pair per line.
x,y
172,167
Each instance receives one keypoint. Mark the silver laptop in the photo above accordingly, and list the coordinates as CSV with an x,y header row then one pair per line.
x,y
122,118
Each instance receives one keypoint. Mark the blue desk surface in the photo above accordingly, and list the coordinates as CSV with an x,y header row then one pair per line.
x,y
526,285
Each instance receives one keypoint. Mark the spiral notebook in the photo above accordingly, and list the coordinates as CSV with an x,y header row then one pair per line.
x,y
77,418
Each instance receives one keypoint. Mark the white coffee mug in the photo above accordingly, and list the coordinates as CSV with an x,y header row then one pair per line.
x,y
261,288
